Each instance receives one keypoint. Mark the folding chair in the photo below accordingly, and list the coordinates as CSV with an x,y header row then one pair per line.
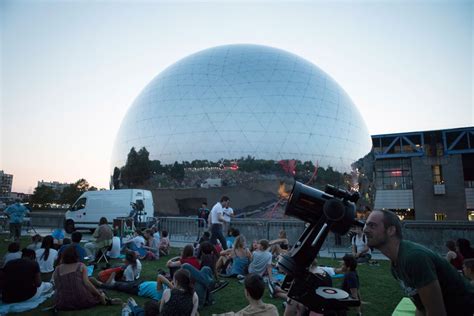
x,y
103,254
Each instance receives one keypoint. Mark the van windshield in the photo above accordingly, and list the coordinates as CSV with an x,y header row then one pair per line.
x,y
79,205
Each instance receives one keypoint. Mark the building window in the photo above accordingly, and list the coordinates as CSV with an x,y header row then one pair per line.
x,y
437,174
393,174
440,216
470,215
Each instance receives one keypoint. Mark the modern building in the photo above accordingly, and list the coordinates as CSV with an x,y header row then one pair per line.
x,y
238,100
6,181
427,175
231,102
55,185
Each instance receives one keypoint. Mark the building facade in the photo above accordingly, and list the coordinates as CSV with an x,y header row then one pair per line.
x,y
55,185
426,175
6,181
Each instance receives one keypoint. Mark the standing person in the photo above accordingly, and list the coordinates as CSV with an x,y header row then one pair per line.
x,y
203,214
217,221
435,287
16,213
103,237
360,250
228,213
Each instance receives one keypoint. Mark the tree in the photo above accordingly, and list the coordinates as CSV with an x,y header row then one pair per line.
x,y
177,171
116,178
129,171
43,195
144,165
71,193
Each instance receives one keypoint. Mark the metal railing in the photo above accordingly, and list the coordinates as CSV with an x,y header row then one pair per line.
x,y
428,233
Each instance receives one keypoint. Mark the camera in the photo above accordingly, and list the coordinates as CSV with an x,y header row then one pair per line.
x,y
330,210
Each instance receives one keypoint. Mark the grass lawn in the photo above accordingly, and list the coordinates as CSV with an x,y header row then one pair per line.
x,y
380,292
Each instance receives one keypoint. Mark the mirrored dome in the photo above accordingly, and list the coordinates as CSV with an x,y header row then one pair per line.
x,y
233,102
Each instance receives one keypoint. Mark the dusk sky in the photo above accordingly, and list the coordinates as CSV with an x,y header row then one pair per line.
x,y
70,70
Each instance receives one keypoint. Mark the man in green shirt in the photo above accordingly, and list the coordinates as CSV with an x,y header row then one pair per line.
x,y
434,286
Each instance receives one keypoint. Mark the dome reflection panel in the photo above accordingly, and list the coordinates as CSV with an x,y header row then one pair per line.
x,y
238,100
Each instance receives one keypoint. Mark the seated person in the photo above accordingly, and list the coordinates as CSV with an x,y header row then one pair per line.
x,y
103,238
115,250
253,291
187,256
350,283
261,263
468,269
208,256
73,290
232,233
75,242
280,245
21,279
58,237
151,245
35,242
182,299
454,257
46,257
240,256
360,249
13,253
136,244
164,244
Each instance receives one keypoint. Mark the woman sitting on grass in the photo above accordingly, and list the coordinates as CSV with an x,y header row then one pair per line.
x,y
187,256
46,256
240,256
350,283
73,290
182,300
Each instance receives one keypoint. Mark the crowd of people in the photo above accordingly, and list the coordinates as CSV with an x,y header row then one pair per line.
x,y
191,279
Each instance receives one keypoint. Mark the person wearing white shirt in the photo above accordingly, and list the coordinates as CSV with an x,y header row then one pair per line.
x,y
45,256
360,250
217,221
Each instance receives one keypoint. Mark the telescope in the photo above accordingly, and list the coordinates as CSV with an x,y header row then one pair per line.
x,y
330,210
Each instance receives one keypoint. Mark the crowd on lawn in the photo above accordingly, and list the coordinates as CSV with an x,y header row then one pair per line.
x,y
59,265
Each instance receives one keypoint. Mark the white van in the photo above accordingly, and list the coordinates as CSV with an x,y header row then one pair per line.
x,y
211,183
86,212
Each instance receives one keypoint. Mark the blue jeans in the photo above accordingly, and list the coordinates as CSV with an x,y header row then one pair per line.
x,y
204,282
216,233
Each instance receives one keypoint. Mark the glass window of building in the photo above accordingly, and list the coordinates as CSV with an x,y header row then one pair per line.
x,y
393,174
440,216
437,174
470,215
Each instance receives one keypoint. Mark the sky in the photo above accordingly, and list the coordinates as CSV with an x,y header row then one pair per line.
x,y
71,69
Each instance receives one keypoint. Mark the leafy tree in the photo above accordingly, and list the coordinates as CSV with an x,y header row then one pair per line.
x,y
156,167
129,171
116,178
138,168
177,171
43,194
144,165
71,193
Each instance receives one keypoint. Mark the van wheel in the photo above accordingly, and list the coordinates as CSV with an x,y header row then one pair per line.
x,y
69,227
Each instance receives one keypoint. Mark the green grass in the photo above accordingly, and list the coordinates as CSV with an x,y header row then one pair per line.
x,y
380,292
